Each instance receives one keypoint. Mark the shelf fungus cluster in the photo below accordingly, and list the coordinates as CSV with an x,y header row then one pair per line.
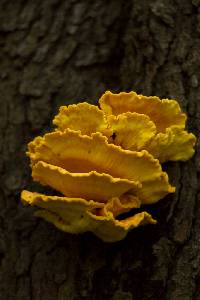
x,y
105,161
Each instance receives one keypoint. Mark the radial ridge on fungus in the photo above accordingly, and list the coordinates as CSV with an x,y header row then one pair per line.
x,y
107,161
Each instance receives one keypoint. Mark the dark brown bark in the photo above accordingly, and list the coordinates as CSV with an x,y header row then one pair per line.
x,y
62,52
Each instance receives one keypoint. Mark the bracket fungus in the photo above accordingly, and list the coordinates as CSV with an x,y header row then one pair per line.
x,y
107,161
169,141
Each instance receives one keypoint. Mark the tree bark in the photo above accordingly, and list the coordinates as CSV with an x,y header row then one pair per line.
x,y
61,52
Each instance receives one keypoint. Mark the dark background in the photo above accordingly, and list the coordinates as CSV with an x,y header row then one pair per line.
x,y
61,52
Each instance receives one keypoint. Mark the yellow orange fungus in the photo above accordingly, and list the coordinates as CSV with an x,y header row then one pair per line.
x,y
84,117
131,130
77,153
75,215
92,185
163,113
168,140
106,162
74,211
81,154
120,205
174,144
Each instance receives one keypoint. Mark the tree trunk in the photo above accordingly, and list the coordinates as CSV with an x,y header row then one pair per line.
x,y
62,52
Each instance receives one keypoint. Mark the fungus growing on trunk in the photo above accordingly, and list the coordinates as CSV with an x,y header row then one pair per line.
x,y
106,162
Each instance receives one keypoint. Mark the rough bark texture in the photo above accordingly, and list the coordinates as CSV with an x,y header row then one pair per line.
x,y
61,52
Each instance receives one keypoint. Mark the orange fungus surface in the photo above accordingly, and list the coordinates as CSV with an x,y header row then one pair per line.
x,y
104,162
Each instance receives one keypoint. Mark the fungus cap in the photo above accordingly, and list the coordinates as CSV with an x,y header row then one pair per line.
x,y
75,216
163,113
175,144
168,141
92,185
82,117
78,153
131,131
